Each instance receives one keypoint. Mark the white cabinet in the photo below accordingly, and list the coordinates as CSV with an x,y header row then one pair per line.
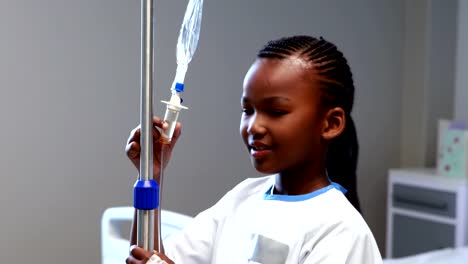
x,y
425,211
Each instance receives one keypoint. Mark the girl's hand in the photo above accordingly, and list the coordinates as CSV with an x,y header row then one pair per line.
x,y
133,147
141,256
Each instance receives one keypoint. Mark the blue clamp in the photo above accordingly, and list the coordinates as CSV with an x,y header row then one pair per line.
x,y
179,87
146,195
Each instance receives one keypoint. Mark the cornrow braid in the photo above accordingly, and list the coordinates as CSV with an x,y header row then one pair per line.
x,y
283,48
337,90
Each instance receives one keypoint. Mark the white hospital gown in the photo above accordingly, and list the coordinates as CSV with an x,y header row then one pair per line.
x,y
249,225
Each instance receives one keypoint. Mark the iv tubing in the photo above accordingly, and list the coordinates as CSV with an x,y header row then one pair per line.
x,y
161,177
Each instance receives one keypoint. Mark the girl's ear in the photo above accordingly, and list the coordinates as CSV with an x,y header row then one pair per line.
x,y
334,123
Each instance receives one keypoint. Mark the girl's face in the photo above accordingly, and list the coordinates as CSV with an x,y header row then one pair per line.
x,y
281,123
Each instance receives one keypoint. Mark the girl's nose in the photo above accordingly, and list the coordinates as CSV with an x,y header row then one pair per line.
x,y
256,125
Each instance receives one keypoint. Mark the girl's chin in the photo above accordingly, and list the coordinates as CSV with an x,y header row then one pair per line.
x,y
264,168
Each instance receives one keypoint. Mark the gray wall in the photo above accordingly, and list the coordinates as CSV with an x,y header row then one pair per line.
x,y
428,77
69,82
461,79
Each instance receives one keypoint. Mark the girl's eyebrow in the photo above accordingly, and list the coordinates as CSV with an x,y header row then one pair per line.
x,y
276,99
271,99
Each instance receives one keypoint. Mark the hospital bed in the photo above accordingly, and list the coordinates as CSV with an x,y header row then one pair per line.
x,y
440,256
115,231
116,223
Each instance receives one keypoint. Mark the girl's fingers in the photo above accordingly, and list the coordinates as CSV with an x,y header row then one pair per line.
x,y
161,125
134,135
133,150
176,135
158,122
131,260
139,253
136,132
156,134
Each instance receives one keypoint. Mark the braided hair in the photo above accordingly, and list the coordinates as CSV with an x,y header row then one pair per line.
x,y
337,90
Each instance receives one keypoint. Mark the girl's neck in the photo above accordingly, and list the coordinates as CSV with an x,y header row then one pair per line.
x,y
300,181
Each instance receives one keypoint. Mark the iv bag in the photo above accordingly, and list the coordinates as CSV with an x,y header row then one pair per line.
x,y
188,38
186,46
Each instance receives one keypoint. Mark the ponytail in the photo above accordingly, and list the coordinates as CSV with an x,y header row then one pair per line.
x,y
341,161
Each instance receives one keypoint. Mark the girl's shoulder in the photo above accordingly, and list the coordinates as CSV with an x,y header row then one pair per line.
x,y
250,186
239,194
350,219
255,184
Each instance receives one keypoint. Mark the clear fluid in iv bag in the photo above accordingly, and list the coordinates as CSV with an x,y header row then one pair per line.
x,y
189,32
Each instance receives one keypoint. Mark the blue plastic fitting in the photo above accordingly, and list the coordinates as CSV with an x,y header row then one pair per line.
x,y
179,87
146,195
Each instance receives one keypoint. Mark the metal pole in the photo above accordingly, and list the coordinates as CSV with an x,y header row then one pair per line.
x,y
145,218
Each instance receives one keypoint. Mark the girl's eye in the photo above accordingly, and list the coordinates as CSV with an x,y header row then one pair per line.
x,y
247,111
277,112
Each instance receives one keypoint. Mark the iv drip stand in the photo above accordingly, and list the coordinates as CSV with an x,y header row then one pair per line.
x,y
146,189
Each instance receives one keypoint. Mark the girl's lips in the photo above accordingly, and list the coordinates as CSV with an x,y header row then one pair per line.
x,y
258,154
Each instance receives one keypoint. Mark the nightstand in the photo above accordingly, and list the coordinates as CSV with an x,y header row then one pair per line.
x,y
425,211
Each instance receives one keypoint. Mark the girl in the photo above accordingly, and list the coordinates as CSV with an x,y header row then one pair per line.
x,y
296,104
